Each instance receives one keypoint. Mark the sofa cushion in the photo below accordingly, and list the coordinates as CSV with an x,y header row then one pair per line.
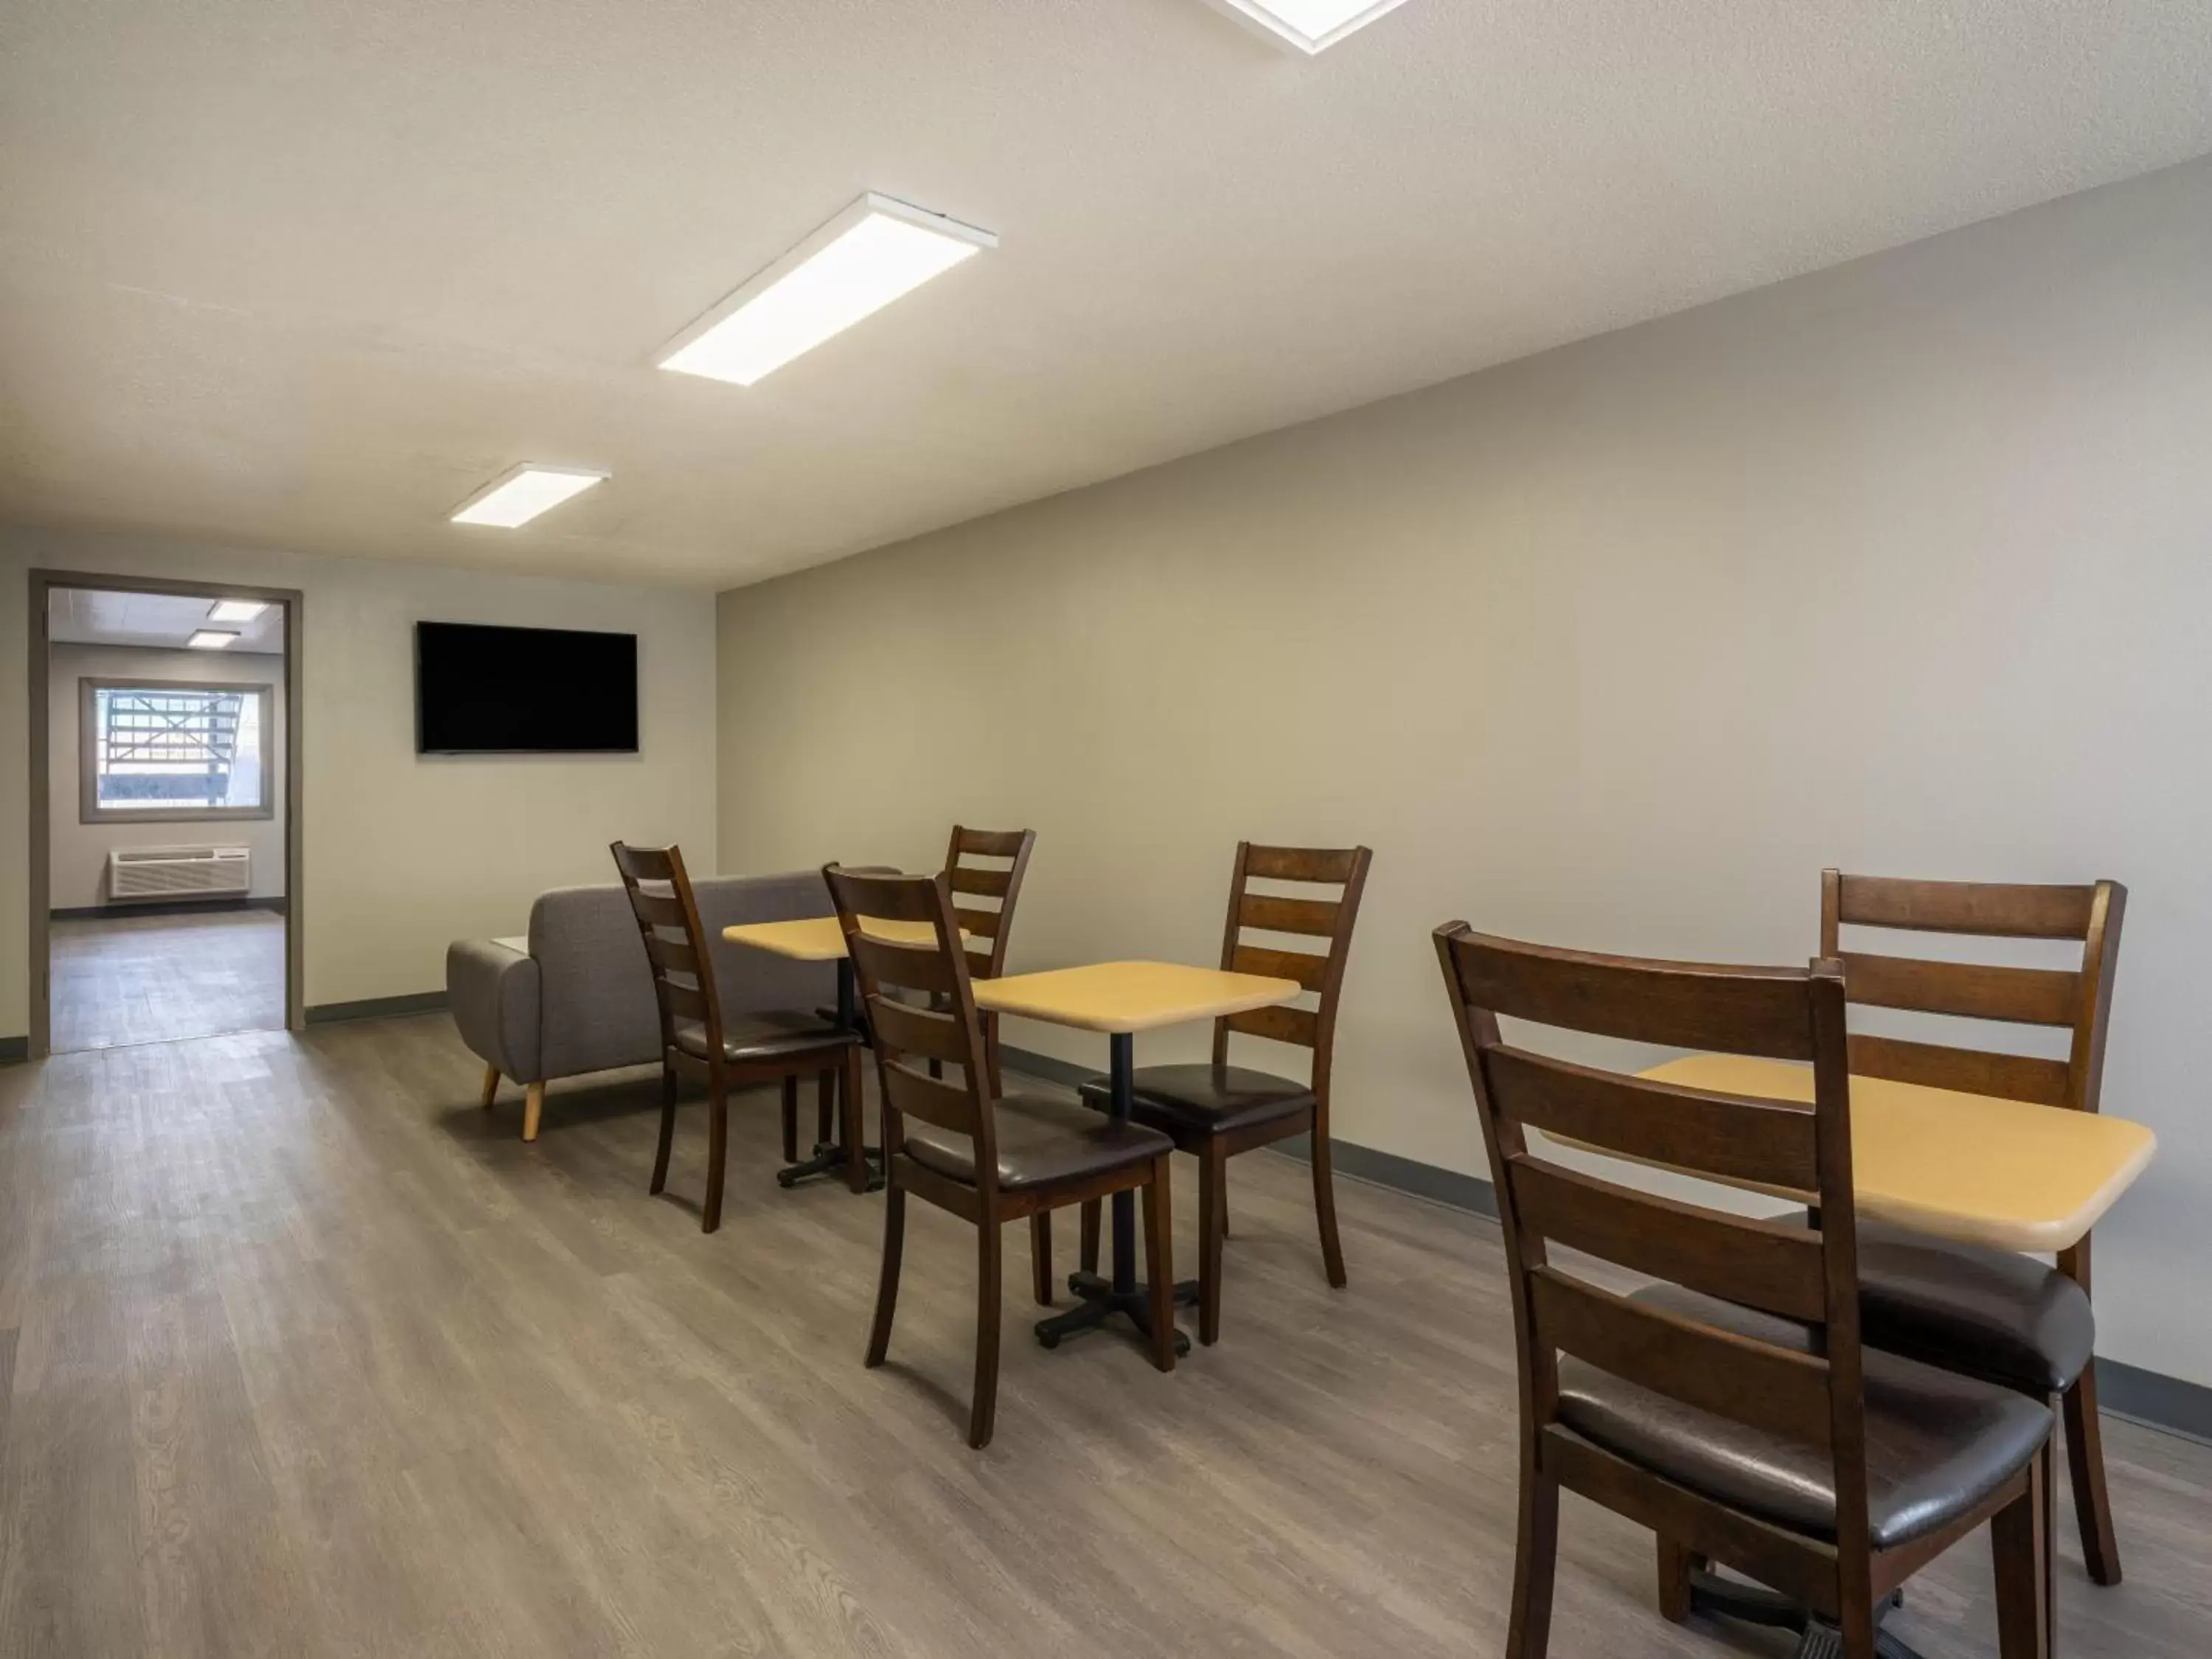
x,y
596,1006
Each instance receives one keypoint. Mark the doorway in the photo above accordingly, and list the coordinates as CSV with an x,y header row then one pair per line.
x,y
165,810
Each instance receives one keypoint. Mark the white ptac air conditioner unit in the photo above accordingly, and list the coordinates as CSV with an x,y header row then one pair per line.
x,y
178,871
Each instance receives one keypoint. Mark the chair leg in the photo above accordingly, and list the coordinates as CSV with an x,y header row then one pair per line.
x,y
1087,1250
1324,1183
1536,1556
533,1108
1040,1257
667,1128
2085,1461
491,1086
790,1120
879,1334
718,1146
2017,1544
1159,1263
1676,1564
1212,1226
825,1107
989,1294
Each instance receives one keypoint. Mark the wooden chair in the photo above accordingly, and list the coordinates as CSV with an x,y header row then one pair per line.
x,y
960,1145
731,1053
1217,1110
1990,1313
1730,1408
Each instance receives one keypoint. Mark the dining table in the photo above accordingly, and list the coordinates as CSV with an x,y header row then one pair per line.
x,y
1971,1168
822,939
1120,999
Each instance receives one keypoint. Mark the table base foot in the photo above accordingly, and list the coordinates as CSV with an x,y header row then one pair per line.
x,y
1097,1301
829,1160
1753,1604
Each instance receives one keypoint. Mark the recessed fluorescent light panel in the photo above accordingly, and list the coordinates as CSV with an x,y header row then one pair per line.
x,y
1311,26
515,499
213,639
853,266
236,610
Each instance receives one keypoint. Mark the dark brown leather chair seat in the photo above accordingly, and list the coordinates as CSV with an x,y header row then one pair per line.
x,y
750,1037
1041,1139
1937,1443
1987,1312
1210,1099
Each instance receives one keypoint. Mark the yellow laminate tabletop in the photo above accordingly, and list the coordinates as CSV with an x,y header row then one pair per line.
x,y
1130,996
1970,1167
821,938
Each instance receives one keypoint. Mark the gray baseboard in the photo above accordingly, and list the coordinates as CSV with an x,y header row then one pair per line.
x,y
2157,1402
2154,1399
14,1049
164,907
422,1002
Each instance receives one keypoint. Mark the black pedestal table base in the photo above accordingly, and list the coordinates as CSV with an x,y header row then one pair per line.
x,y
1099,1299
1753,1604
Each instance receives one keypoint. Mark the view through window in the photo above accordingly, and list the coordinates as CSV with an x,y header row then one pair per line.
x,y
171,749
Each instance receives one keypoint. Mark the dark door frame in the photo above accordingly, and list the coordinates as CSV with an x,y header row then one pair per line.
x,y
43,583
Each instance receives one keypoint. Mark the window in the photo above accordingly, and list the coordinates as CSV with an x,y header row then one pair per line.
x,y
161,751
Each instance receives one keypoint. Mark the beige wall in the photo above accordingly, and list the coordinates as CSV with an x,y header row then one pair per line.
x,y
78,851
1906,567
405,853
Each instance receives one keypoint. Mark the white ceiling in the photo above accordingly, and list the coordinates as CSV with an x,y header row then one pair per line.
x,y
86,617
308,274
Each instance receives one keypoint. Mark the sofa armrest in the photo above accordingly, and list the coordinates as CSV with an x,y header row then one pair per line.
x,y
493,990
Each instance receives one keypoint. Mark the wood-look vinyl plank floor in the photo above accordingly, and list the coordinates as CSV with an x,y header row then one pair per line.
x,y
303,1354
158,978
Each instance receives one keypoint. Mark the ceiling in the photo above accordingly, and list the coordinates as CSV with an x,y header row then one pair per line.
x,y
78,616
308,273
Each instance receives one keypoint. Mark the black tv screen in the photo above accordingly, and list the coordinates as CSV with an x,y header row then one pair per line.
x,y
508,690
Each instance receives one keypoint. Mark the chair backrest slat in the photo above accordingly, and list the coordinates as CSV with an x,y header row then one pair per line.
x,y
914,1094
893,961
2078,998
947,1033
1758,1383
1311,971
1269,914
994,843
676,948
967,880
1771,1264
1323,866
1972,1071
1299,1027
2023,996
1320,974
1743,1011
925,1031
1732,1137
1985,909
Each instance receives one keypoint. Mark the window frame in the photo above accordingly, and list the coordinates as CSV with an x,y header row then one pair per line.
x,y
90,810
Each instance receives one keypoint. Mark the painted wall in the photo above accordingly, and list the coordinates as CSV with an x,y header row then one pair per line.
x,y
78,851
405,853
1904,567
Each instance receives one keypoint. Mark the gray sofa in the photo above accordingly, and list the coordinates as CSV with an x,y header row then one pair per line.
x,y
576,996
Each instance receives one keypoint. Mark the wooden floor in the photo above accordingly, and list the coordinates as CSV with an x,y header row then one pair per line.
x,y
302,1354
156,978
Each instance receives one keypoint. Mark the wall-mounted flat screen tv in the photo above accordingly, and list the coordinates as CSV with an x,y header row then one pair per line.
x,y
523,691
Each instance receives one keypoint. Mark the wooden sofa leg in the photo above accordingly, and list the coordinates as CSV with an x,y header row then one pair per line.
x,y
491,1086
533,1106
